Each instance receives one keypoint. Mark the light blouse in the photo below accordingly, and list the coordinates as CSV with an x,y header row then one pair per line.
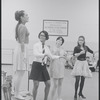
x,y
37,52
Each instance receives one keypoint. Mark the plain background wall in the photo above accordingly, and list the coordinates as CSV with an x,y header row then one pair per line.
x,y
82,16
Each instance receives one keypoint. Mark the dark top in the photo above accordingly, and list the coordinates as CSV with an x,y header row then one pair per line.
x,y
77,49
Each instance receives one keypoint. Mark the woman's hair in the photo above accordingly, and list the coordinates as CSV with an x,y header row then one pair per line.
x,y
18,15
45,33
83,43
60,38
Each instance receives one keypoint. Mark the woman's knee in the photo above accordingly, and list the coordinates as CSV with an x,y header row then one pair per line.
x,y
82,78
36,84
48,83
60,81
77,78
55,85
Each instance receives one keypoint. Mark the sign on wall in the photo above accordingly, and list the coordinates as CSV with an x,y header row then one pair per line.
x,y
56,27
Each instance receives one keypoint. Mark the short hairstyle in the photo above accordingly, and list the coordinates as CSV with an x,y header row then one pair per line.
x,y
45,33
60,38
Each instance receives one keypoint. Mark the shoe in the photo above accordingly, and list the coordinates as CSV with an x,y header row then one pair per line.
x,y
75,96
82,96
20,97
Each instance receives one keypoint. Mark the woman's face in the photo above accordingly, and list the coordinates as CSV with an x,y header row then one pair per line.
x,y
25,18
42,37
81,41
59,42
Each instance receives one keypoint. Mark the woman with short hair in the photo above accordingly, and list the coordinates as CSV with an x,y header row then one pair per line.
x,y
39,72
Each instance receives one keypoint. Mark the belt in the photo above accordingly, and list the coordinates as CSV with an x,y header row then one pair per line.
x,y
81,59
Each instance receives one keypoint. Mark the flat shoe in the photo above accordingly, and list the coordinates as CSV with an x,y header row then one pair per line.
x,y
19,97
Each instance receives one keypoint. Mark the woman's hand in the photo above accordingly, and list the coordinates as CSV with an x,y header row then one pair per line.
x,y
46,54
82,52
62,57
78,54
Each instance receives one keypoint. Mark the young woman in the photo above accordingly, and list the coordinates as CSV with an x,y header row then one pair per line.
x,y
39,71
21,51
81,69
57,68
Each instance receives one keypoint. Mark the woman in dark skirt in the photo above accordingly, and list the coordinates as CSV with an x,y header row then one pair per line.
x,y
39,71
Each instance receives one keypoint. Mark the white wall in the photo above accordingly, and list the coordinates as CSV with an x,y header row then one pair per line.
x,y
82,16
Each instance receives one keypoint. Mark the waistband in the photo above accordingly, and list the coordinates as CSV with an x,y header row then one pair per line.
x,y
81,59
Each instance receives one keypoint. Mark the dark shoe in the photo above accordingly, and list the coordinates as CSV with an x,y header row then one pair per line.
x,y
82,96
75,96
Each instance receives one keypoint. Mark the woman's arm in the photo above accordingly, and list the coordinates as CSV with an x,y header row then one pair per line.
x,y
77,53
89,50
52,56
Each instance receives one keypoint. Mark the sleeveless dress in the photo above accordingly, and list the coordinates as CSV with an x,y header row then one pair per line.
x,y
19,61
57,66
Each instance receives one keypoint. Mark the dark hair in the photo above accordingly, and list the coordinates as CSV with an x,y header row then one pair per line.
x,y
18,15
45,33
60,38
84,46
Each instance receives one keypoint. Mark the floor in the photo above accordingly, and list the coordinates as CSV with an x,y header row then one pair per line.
x,y
91,87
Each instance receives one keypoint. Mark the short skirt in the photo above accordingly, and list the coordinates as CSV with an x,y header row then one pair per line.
x,y
39,72
57,68
81,68
21,59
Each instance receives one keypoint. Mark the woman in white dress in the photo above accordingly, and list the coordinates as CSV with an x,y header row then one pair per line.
x,y
57,68
21,52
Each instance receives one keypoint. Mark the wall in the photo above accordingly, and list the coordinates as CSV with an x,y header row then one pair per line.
x,y
82,16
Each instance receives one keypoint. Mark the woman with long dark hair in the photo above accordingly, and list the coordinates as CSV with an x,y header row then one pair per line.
x,y
81,69
21,52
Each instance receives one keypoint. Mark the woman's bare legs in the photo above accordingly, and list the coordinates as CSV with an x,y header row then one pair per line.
x,y
59,87
55,85
47,88
36,85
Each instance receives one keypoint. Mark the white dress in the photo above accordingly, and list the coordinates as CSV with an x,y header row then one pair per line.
x,y
19,61
19,56
57,66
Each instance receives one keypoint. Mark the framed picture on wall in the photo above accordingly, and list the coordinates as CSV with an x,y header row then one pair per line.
x,y
56,27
